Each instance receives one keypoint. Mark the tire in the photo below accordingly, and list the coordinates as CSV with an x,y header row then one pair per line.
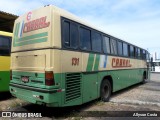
x,y
105,90
144,79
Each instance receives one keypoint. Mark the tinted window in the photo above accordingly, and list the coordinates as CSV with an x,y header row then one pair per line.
x,y
96,42
144,54
66,32
85,39
125,49
5,46
120,48
139,53
106,44
74,36
136,52
131,51
70,34
114,46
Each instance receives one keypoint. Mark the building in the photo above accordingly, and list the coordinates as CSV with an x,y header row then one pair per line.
x,y
7,21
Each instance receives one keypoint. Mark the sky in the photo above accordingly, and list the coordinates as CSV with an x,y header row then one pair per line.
x,y
135,21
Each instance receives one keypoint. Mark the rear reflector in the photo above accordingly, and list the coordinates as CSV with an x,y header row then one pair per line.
x,y
49,78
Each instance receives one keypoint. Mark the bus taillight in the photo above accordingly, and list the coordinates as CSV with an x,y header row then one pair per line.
x,y
49,78
10,74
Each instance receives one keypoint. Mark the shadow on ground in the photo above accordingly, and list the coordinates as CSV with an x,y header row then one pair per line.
x,y
5,96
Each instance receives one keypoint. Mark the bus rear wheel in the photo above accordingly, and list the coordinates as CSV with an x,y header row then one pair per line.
x,y
105,90
144,78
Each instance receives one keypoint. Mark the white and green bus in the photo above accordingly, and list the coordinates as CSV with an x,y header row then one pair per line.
x,y
58,60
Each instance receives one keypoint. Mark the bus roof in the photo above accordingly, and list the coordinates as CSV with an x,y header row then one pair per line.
x,y
5,33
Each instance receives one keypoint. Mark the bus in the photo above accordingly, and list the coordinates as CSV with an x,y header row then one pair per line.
x,y
59,60
5,50
155,66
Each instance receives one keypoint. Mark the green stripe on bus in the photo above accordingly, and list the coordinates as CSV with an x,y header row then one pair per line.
x,y
90,62
97,62
17,30
44,34
36,38
16,34
32,42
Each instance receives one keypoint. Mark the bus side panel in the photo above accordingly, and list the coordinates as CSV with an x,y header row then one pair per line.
x,y
71,65
4,73
90,87
80,77
122,78
4,80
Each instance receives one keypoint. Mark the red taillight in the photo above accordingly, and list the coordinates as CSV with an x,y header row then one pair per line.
x,y
49,78
10,74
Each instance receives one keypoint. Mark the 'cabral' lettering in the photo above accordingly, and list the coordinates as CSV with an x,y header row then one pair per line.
x,y
36,24
119,62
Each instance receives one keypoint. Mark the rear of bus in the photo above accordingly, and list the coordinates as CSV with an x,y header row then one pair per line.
x,y
5,47
32,58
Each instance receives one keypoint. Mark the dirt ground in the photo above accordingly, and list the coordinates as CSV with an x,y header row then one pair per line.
x,y
140,97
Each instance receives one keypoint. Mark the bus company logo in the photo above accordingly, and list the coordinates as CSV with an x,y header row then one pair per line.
x,y
6,114
119,62
29,15
35,24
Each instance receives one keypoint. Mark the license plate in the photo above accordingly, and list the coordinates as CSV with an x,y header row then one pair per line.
x,y
25,79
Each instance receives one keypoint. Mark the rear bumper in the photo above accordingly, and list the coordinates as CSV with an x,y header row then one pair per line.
x,y
34,95
33,88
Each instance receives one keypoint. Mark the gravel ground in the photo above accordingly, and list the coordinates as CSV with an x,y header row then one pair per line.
x,y
147,95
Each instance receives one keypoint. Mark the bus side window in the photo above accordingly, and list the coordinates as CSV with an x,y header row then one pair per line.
x,y
96,42
106,44
113,46
131,51
66,34
139,53
85,39
120,48
125,49
74,35
144,55
5,46
70,35
136,52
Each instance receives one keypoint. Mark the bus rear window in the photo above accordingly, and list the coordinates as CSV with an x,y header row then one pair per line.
x,y
5,46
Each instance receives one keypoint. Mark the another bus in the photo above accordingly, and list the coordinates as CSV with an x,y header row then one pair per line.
x,y
5,49
155,66
58,60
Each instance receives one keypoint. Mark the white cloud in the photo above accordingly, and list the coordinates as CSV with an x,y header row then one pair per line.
x,y
123,4
19,7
